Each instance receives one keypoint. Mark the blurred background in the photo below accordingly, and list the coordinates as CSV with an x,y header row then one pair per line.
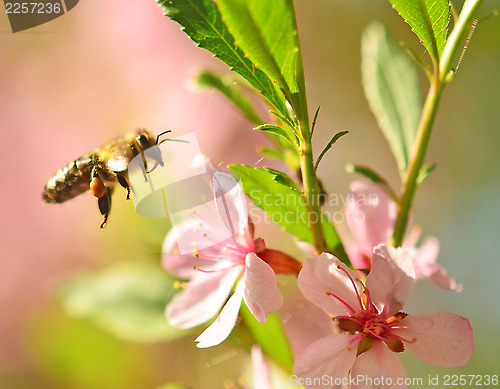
x,y
109,67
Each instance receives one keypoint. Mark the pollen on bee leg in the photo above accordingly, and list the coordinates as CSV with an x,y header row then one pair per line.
x,y
97,187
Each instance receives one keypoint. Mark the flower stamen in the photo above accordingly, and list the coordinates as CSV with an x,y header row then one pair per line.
x,y
341,301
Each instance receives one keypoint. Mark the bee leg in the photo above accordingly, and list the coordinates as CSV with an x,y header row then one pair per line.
x,y
103,194
155,166
97,187
144,166
104,203
123,182
155,154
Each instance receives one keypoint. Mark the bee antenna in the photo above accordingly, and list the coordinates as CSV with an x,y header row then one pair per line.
x,y
163,133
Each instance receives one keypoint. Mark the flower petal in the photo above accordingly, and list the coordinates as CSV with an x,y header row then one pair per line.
x,y
280,262
261,294
202,298
220,329
391,279
306,247
440,338
381,366
261,371
199,235
324,281
229,199
424,261
299,313
440,277
182,266
370,215
231,204
331,356
412,236
357,256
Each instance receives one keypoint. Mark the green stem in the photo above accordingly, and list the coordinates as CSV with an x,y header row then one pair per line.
x,y
311,192
299,101
417,161
458,33
427,119
309,178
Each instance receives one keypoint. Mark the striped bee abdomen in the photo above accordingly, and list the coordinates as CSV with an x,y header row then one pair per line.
x,y
70,181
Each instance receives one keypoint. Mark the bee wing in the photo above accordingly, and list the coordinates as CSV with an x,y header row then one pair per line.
x,y
120,155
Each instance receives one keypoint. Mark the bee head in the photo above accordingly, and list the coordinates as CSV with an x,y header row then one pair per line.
x,y
144,139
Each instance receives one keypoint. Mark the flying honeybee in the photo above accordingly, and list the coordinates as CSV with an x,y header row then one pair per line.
x,y
100,170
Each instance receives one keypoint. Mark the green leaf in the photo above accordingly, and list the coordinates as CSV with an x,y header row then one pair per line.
x,y
277,130
429,20
269,152
285,206
127,300
283,178
335,138
391,86
75,354
425,172
418,60
334,243
366,172
372,176
173,386
289,157
265,31
290,122
315,118
271,337
201,20
209,80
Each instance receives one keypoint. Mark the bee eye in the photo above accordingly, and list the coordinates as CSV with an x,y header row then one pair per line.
x,y
143,140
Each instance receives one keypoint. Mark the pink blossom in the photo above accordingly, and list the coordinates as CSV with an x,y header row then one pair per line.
x,y
213,273
371,214
371,325
240,263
